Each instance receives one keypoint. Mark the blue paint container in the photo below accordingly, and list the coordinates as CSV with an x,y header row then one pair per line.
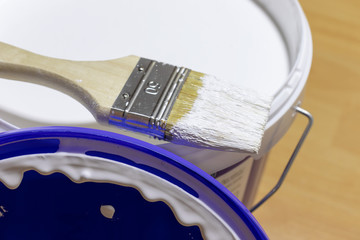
x,y
77,183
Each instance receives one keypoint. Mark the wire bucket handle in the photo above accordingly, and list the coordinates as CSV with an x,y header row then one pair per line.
x,y
291,160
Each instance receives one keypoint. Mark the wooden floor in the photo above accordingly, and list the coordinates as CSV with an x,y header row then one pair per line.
x,y
320,198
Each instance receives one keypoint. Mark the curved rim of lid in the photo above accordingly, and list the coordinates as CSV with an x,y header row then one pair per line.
x,y
300,48
115,138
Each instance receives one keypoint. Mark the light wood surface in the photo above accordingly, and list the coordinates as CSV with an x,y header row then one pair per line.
x,y
95,84
320,198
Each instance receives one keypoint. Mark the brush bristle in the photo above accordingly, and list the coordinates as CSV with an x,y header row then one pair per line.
x,y
218,114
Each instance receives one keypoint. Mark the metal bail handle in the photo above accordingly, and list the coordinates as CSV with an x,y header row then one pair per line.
x,y
291,160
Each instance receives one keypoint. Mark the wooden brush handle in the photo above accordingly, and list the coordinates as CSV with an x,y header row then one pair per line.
x,y
95,84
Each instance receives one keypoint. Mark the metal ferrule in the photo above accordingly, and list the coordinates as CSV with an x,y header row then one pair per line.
x,y
146,100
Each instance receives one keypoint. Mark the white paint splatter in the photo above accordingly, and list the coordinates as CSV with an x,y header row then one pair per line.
x,y
2,211
107,211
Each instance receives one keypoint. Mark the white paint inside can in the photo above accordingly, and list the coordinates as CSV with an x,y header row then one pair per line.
x,y
233,40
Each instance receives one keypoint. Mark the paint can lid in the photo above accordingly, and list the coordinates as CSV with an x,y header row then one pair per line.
x,y
98,181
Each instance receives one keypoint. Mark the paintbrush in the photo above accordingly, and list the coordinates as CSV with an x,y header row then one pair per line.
x,y
161,100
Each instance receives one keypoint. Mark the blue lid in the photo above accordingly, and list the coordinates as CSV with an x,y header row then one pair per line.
x,y
27,209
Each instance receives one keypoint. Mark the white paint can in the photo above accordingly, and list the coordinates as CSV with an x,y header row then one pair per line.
x,y
260,44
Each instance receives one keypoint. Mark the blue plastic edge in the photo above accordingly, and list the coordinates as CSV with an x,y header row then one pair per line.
x,y
95,134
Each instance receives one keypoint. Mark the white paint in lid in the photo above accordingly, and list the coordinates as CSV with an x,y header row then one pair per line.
x,y
81,168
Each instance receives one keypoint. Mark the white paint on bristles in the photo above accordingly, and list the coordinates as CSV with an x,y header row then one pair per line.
x,y
224,116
